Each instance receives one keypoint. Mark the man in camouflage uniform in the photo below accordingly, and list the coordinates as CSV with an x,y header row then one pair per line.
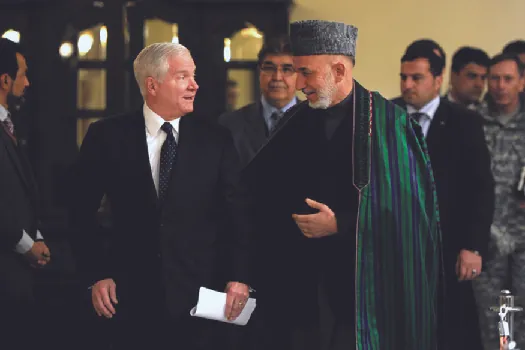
x,y
504,116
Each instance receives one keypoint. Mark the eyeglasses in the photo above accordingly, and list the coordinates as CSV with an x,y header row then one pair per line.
x,y
270,69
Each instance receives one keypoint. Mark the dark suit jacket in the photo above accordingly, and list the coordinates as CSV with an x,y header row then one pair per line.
x,y
181,240
248,128
465,189
464,182
18,205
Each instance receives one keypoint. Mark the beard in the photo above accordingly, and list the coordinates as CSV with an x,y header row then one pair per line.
x,y
325,94
15,102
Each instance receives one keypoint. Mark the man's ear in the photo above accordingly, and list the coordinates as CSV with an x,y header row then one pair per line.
x,y
4,80
439,81
339,71
151,86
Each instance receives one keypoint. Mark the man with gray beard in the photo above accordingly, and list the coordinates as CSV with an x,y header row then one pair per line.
x,y
347,237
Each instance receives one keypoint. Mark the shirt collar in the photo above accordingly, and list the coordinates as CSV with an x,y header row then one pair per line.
x,y
155,121
268,109
429,109
451,98
4,113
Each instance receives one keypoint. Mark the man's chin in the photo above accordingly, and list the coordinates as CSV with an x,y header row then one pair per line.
x,y
277,96
408,99
187,111
318,104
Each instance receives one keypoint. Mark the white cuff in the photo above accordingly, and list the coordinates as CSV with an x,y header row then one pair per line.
x,y
25,244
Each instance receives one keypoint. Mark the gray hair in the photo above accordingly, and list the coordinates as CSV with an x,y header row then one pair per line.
x,y
152,61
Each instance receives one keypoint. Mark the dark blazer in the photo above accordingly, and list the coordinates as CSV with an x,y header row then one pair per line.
x,y
465,189
180,240
461,163
248,128
18,203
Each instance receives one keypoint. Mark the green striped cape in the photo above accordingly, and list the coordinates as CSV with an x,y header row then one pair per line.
x,y
398,232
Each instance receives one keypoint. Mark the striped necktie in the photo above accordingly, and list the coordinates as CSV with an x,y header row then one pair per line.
x,y
418,117
9,128
275,118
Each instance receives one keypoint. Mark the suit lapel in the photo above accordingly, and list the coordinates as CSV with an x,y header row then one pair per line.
x,y
15,158
255,127
139,154
437,126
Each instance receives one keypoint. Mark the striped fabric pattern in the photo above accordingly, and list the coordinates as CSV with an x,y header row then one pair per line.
x,y
398,232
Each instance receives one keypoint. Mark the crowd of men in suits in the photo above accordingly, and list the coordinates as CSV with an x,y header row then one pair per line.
x,y
476,152
178,203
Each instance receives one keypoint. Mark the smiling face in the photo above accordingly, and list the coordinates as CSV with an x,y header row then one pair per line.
x,y
505,84
173,95
316,80
277,79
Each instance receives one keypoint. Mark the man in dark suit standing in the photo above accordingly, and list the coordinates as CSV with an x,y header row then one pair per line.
x,y
171,183
465,189
252,125
22,248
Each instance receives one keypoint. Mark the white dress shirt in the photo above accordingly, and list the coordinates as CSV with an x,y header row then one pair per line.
x,y
429,110
268,110
26,242
155,137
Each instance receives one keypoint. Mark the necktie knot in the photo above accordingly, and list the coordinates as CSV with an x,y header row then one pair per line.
x,y
276,116
418,116
167,128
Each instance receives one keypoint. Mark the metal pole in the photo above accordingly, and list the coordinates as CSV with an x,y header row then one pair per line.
x,y
506,310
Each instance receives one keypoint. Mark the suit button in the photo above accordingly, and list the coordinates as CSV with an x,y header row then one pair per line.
x,y
158,255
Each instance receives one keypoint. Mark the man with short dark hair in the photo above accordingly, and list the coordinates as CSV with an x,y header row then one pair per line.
x,y
22,248
431,46
504,115
461,165
252,125
468,76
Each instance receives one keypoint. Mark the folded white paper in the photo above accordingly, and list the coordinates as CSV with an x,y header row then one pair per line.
x,y
211,305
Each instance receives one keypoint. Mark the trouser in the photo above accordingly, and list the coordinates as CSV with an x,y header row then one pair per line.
x,y
501,272
22,326
276,331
